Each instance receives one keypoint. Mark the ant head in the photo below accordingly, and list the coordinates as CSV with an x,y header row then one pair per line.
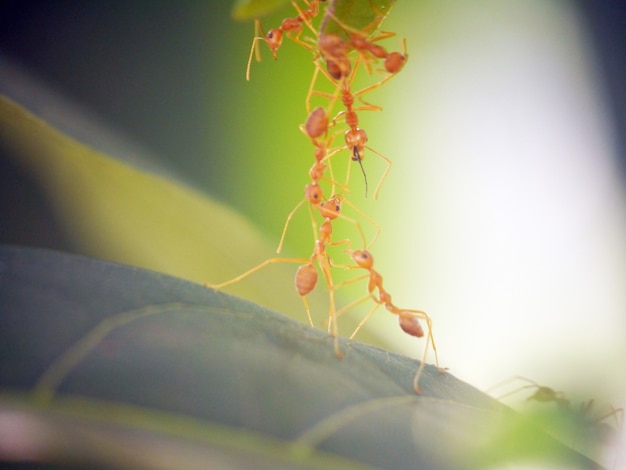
x,y
313,193
396,60
356,140
362,258
274,39
547,394
330,209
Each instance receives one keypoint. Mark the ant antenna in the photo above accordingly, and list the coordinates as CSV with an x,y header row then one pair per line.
x,y
357,157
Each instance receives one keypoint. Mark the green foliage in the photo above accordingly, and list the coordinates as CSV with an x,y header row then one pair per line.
x,y
249,9
357,14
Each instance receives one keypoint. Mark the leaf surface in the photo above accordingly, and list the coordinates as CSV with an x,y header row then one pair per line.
x,y
365,16
103,349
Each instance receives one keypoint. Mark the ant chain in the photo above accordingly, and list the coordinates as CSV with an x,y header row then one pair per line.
x,y
333,58
341,73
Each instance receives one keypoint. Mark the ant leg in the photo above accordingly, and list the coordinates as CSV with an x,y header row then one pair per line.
x,y
374,86
333,327
296,39
333,319
349,282
410,329
308,310
420,370
331,97
346,181
515,390
393,65
306,17
333,183
383,35
366,317
255,50
265,263
254,43
311,91
369,219
312,194
356,224
259,33
382,178
289,217
422,365
419,314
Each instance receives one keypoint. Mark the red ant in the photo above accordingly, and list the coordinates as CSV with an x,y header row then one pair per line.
x,y
291,26
407,319
306,276
334,49
315,126
355,137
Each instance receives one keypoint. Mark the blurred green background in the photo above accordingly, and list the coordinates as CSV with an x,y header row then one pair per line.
x,y
504,212
171,76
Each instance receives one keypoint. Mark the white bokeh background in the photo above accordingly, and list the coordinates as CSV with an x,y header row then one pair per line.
x,y
508,219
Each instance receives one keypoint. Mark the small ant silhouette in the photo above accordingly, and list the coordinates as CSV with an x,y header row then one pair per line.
x,y
583,414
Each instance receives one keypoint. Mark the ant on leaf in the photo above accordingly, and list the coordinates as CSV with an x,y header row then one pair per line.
x,y
581,425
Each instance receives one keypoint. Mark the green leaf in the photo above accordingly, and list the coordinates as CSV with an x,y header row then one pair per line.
x,y
358,15
94,354
250,9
